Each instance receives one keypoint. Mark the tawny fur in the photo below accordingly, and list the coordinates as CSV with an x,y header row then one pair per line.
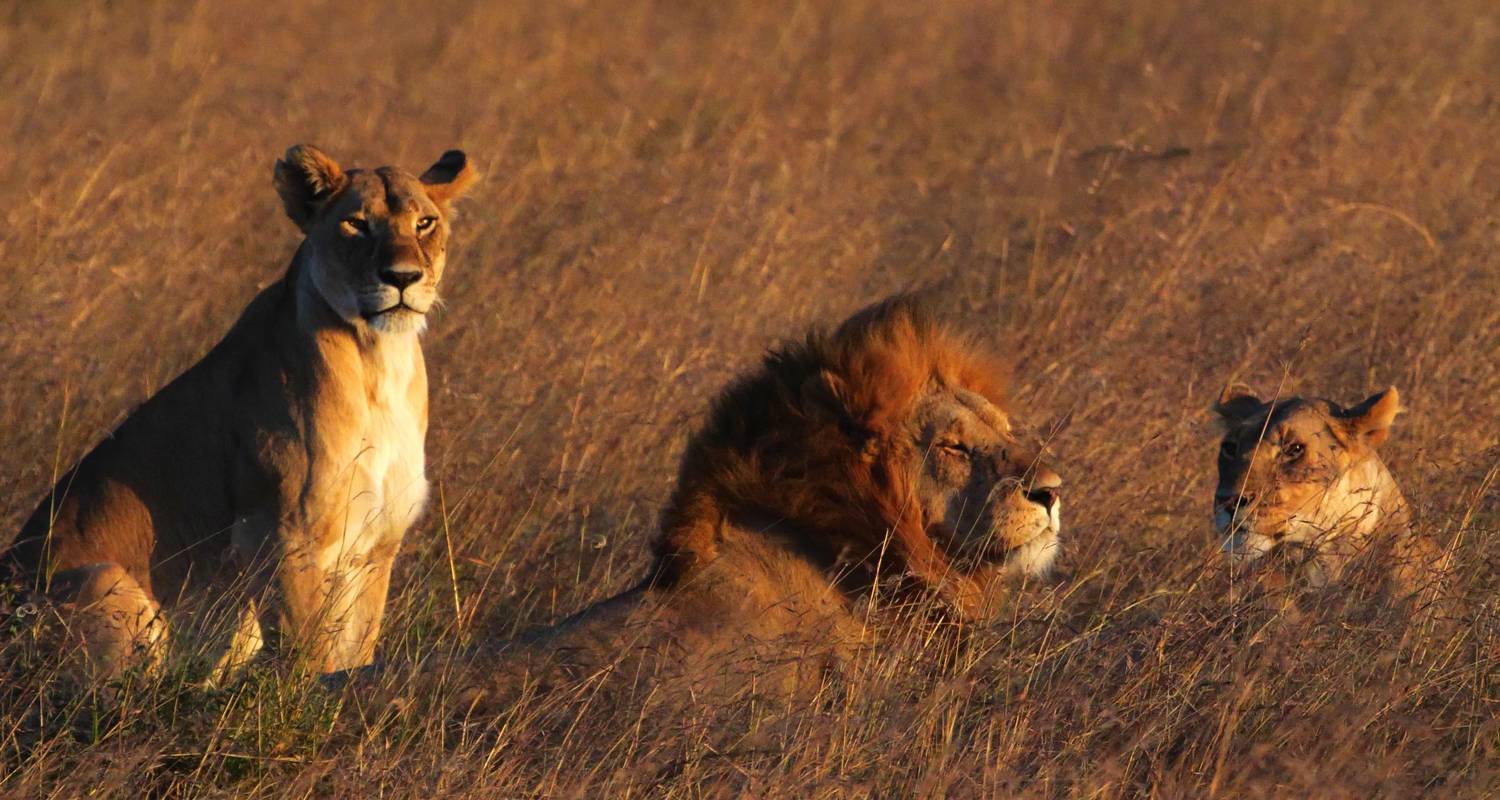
x,y
265,491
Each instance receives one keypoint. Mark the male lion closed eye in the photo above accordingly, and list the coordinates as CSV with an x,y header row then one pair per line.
x,y
886,448
271,482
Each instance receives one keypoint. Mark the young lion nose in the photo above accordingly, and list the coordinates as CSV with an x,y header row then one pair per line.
x,y
1234,502
400,278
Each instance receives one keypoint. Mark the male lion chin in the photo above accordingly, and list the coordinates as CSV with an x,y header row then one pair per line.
x,y
1034,559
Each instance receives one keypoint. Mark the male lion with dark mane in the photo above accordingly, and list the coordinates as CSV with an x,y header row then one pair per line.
x,y
271,483
884,452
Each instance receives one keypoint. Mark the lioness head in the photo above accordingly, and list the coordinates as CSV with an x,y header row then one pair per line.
x,y
1300,472
376,239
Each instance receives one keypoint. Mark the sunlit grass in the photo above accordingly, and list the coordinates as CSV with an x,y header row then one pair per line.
x,y
1141,200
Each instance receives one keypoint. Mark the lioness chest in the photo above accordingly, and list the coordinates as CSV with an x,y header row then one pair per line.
x,y
387,484
353,479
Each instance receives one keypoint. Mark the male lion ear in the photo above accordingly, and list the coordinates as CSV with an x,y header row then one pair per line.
x,y
449,177
306,178
1371,420
1236,402
823,399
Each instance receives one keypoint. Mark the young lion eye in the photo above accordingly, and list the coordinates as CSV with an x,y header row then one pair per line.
x,y
425,224
354,226
1293,451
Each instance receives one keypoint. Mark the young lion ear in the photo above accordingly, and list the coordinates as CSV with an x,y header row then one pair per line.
x,y
1371,420
1236,402
305,178
449,177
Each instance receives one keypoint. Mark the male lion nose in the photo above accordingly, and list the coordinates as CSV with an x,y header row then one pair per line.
x,y
400,278
1044,488
1046,498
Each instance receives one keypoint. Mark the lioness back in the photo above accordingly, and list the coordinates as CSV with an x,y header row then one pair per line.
x,y
150,495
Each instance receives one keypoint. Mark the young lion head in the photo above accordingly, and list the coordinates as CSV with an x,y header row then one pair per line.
x,y
1301,472
376,239
888,442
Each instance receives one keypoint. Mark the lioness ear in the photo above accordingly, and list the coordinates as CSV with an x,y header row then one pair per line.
x,y
449,177
306,178
1371,420
1237,402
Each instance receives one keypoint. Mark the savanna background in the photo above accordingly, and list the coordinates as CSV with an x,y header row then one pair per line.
x,y
1140,201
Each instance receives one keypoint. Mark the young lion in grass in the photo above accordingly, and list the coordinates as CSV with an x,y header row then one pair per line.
x,y
1302,478
270,483
885,449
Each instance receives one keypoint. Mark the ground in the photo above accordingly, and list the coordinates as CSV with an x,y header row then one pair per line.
x,y
1141,201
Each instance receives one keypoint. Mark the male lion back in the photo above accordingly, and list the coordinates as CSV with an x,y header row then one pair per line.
x,y
695,645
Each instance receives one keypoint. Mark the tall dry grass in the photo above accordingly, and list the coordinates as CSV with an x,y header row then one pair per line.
x,y
1140,200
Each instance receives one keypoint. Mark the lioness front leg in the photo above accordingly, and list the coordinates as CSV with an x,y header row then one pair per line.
x,y
332,606
308,608
354,642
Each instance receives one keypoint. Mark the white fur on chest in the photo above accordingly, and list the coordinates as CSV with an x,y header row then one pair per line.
x,y
388,482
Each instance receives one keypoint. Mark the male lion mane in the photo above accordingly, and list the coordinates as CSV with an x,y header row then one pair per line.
x,y
815,439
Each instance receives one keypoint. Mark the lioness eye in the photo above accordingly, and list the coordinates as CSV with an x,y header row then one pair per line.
x,y
1293,451
354,226
1229,450
425,224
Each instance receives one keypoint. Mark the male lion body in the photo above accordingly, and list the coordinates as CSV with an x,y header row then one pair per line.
x,y
1301,477
884,449
270,484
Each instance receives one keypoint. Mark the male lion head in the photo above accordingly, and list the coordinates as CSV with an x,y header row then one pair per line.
x,y
376,239
1300,472
887,444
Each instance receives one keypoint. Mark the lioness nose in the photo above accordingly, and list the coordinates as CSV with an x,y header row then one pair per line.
x,y
400,278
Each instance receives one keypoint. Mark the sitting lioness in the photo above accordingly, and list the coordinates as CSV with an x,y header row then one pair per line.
x,y
847,465
1303,475
270,483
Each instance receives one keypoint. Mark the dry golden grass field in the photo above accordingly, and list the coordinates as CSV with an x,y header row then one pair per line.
x,y
1139,201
